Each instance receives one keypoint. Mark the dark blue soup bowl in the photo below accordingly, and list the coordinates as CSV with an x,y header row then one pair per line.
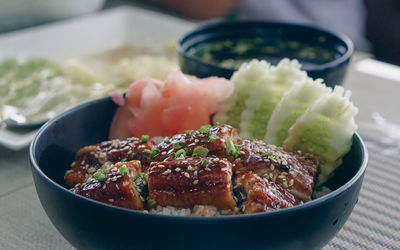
x,y
271,41
88,224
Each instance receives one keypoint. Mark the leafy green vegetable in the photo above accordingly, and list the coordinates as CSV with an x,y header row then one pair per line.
x,y
262,101
325,129
245,80
293,104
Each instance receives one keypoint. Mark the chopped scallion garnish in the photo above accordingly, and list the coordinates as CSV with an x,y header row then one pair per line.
x,y
123,170
177,145
100,177
154,152
144,138
151,202
212,139
232,150
205,163
200,151
205,129
181,152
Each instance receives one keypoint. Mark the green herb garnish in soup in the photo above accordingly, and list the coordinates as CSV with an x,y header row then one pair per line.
x,y
231,53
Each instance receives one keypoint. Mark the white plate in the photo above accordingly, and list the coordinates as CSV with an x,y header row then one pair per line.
x,y
94,33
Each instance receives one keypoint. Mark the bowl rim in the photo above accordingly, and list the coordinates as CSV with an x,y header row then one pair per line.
x,y
221,24
313,203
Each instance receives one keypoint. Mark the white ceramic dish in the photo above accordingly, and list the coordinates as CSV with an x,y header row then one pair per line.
x,y
87,35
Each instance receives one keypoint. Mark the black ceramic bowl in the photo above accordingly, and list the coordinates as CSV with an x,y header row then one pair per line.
x,y
271,41
88,224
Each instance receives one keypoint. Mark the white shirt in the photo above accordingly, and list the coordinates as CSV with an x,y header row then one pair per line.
x,y
344,16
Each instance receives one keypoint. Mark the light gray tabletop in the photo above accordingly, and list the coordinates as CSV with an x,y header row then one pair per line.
x,y
374,223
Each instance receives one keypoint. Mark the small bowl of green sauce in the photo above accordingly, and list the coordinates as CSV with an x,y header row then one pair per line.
x,y
219,49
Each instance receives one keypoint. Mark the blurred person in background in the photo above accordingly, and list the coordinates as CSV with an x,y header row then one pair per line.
x,y
371,24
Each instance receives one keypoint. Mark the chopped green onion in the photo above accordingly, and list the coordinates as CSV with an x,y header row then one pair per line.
x,y
147,151
212,139
232,150
217,123
205,163
181,152
200,151
145,138
100,177
230,147
123,170
190,131
104,171
133,155
166,139
205,129
151,202
236,154
124,159
154,152
177,145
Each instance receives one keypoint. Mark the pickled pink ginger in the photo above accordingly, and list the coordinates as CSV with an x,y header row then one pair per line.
x,y
157,108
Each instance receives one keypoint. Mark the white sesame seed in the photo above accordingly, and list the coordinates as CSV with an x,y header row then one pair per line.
x,y
207,169
167,172
177,169
187,174
163,153
195,172
195,182
291,182
116,186
190,167
272,167
82,162
196,140
104,186
271,175
111,200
